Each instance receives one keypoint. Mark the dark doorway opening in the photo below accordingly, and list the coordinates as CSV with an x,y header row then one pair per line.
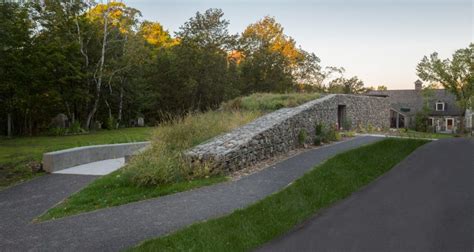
x,y
341,116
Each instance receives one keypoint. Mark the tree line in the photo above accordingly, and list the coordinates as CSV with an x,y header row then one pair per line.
x,y
102,66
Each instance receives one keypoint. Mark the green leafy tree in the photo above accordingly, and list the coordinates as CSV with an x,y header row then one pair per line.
x,y
195,74
15,42
343,85
270,58
455,74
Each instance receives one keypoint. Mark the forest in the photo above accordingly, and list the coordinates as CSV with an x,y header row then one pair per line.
x,y
103,66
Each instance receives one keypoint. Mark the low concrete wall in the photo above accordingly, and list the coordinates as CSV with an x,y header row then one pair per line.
x,y
59,160
277,132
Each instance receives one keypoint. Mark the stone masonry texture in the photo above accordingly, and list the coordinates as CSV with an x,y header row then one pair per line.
x,y
277,133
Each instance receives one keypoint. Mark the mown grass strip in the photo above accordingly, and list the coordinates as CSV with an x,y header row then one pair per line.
x,y
271,217
111,190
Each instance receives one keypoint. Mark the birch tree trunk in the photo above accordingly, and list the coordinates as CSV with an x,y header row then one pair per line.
x,y
119,116
98,77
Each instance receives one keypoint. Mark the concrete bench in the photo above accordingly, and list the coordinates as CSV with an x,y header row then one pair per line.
x,y
59,160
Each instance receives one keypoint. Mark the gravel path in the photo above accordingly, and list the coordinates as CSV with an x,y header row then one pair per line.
x,y
124,226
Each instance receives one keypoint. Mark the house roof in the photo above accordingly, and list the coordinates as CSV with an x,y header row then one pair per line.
x,y
410,101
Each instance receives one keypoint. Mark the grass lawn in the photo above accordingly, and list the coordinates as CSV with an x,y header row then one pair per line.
x,y
17,154
271,217
417,134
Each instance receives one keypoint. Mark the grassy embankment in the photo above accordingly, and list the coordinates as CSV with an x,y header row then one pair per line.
x,y
162,170
19,155
271,217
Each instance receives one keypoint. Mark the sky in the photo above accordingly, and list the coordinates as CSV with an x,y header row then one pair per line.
x,y
379,41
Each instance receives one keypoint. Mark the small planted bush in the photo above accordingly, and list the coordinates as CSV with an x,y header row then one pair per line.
x,y
57,131
349,134
347,124
370,128
317,140
110,123
332,134
75,128
318,129
302,135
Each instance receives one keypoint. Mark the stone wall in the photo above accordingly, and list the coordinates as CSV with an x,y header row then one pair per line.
x,y
277,132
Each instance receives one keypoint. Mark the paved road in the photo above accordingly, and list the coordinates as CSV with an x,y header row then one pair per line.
x,y
124,226
426,203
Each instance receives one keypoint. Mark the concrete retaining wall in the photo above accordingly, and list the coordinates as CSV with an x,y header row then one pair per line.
x,y
277,132
58,160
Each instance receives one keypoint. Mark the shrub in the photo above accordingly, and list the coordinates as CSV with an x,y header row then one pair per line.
x,y
75,128
347,124
317,140
328,134
421,122
370,128
338,136
332,134
302,135
349,134
318,129
57,131
110,123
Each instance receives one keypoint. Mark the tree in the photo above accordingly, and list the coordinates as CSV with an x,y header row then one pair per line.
x,y
195,74
155,35
113,22
56,49
307,73
456,75
268,34
15,41
347,86
382,88
271,60
207,30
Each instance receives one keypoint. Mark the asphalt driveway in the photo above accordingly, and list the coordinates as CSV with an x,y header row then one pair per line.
x,y
425,203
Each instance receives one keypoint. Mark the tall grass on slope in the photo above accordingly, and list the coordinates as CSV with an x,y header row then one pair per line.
x,y
269,101
164,163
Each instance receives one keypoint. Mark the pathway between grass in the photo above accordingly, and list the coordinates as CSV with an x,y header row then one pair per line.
x,y
124,226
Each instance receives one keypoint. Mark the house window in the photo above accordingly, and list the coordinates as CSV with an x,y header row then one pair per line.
x,y
440,106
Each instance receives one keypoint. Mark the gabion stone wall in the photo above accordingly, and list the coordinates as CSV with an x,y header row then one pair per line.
x,y
277,132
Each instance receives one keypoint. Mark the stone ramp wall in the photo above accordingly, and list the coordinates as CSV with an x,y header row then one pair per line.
x,y
277,132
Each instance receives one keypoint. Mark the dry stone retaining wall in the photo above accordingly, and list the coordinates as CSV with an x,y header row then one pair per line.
x,y
277,132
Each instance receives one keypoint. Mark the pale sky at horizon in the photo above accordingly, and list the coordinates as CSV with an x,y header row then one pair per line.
x,y
379,41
